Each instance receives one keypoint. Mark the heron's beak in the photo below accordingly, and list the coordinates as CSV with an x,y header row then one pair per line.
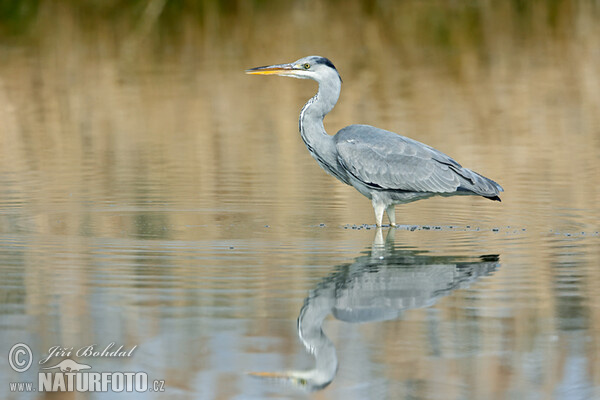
x,y
280,69
279,376
268,374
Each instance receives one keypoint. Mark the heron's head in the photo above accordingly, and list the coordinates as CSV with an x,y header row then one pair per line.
x,y
317,68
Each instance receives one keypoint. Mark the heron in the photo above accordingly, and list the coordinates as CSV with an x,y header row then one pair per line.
x,y
385,167
379,285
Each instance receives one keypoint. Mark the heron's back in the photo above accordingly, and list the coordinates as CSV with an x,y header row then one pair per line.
x,y
385,161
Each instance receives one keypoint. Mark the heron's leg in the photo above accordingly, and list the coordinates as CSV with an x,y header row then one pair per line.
x,y
379,208
378,242
391,212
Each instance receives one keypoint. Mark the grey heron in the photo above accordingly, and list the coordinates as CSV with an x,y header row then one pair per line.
x,y
377,286
385,167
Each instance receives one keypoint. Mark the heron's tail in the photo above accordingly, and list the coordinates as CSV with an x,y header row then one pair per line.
x,y
495,198
479,184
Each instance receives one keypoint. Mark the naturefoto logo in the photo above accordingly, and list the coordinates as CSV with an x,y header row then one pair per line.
x,y
68,375
69,366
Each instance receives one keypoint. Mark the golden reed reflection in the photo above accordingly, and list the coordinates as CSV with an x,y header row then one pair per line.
x,y
151,104
136,121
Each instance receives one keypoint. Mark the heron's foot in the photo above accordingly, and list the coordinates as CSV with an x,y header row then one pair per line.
x,y
391,215
393,225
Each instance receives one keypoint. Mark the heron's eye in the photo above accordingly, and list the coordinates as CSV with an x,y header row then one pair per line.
x,y
306,66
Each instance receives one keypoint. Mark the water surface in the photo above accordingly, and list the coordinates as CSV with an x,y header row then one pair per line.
x,y
152,195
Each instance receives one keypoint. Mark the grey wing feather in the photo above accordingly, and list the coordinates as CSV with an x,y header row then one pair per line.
x,y
385,160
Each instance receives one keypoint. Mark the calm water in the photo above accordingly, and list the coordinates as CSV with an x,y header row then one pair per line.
x,y
153,196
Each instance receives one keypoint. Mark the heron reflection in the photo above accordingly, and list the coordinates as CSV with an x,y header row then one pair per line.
x,y
377,286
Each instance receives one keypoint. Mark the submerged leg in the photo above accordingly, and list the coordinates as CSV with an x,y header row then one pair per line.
x,y
379,208
391,212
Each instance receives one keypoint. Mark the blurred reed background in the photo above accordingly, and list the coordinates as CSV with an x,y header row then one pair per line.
x,y
99,99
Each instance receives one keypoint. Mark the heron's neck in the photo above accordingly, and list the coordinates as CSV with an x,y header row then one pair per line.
x,y
310,331
311,119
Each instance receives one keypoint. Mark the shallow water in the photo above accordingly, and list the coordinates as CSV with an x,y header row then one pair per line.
x,y
164,200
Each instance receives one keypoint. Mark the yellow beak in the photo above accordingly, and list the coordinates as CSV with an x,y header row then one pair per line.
x,y
280,69
268,374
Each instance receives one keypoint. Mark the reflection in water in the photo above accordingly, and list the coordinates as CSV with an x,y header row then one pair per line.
x,y
135,193
378,286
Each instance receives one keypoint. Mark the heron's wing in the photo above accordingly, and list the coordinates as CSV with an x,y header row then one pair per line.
x,y
385,160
